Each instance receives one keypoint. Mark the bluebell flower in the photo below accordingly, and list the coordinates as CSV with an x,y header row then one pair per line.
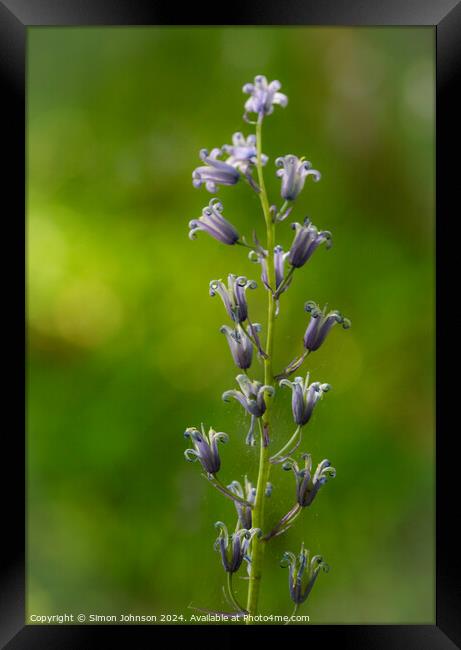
x,y
251,397
293,173
304,397
263,96
234,295
306,240
215,172
212,222
280,257
307,485
240,345
242,152
302,573
205,448
247,492
320,324
234,548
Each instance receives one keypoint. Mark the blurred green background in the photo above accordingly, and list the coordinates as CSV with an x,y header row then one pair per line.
x,y
124,348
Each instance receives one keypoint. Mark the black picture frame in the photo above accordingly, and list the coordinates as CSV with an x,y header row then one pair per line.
x,y
15,17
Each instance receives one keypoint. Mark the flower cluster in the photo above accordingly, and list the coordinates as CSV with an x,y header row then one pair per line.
x,y
308,484
234,295
212,222
205,448
225,166
252,396
263,96
302,573
234,548
293,173
320,324
307,240
304,397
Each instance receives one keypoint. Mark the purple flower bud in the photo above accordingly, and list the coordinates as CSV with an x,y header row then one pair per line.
x,y
302,573
215,172
320,324
240,345
234,295
293,173
242,152
263,96
205,448
307,239
279,264
234,548
304,397
248,492
251,397
307,485
214,224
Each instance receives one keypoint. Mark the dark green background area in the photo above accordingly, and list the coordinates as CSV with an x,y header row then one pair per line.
x,y
124,347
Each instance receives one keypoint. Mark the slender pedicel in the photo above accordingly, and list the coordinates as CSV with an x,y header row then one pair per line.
x,y
288,449
216,483
307,487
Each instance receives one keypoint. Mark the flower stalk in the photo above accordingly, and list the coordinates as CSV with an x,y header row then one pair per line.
x,y
264,459
245,546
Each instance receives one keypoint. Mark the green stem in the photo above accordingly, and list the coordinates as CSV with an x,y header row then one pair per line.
x,y
293,613
235,602
285,281
215,482
275,457
264,464
285,523
283,208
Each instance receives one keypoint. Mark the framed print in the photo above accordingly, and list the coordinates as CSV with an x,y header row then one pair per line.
x,y
231,247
